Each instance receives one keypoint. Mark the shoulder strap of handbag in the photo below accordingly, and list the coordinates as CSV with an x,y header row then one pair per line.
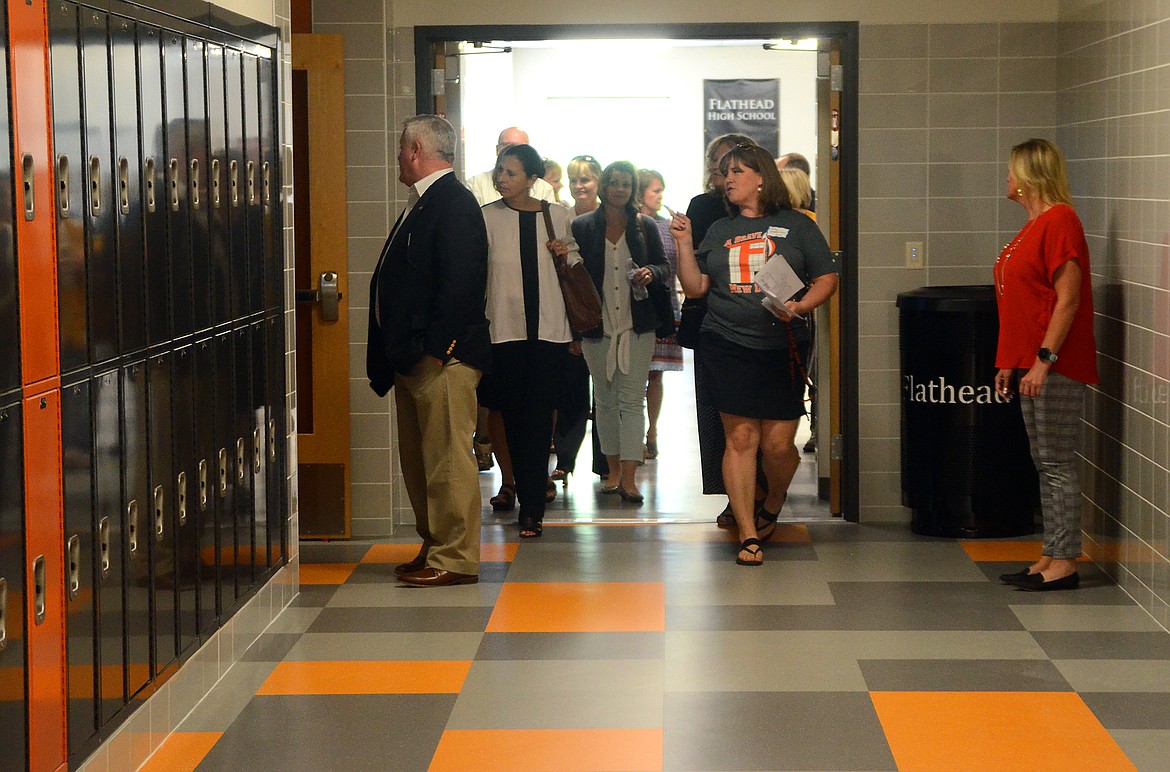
x,y
548,225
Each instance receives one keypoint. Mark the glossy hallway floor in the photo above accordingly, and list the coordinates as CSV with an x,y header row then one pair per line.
x,y
630,640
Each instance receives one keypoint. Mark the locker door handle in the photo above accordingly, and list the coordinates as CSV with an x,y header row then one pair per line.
x,y
63,185
250,170
195,183
104,545
132,529
39,589
266,172
148,176
124,185
223,472
173,168
215,182
257,452
272,440
74,550
181,492
234,181
160,509
3,614
95,185
241,459
28,174
203,485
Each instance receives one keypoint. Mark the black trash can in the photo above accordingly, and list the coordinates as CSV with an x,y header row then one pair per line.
x,y
966,468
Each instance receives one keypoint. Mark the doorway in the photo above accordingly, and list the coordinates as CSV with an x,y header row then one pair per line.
x,y
661,67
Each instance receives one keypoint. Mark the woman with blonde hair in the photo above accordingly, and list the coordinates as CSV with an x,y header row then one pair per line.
x,y
799,189
1047,352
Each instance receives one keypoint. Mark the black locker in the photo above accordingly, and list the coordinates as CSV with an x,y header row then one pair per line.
x,y
154,198
97,174
261,556
13,725
234,199
186,497
207,483
251,184
244,478
107,470
225,448
197,190
217,198
174,172
80,552
128,185
65,57
137,542
163,515
277,472
269,182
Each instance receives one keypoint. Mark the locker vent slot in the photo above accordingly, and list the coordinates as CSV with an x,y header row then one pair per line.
x,y
63,185
148,175
74,556
95,185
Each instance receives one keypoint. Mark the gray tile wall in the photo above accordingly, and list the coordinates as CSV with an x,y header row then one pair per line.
x,y
1114,114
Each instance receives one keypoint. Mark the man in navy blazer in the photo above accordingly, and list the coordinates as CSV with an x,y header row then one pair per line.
x,y
429,338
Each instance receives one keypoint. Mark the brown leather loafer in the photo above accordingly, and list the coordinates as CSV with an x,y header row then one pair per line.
x,y
434,577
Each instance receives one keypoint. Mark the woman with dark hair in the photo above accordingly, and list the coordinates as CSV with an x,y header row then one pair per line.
x,y
667,352
530,330
623,255
1047,352
752,355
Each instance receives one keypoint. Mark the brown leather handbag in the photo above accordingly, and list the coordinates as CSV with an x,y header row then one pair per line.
x,y
582,303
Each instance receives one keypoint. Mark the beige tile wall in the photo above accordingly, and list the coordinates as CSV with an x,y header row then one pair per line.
x,y
1114,111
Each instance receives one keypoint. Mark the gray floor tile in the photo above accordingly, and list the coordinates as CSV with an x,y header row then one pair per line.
x,y
842,532
369,595
526,646
235,690
270,647
313,595
1129,710
925,644
779,662
294,619
1104,675
336,732
1148,749
1054,618
988,675
768,731
329,647
560,694
897,562
1105,645
617,562
396,620
723,583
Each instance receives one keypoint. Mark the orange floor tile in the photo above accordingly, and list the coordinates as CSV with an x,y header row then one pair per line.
x,y
181,752
579,607
1004,551
498,552
982,731
326,573
391,553
395,677
598,750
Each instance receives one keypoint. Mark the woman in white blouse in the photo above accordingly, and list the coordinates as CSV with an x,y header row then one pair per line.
x,y
529,328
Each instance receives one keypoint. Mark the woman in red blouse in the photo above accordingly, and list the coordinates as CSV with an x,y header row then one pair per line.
x,y
1046,351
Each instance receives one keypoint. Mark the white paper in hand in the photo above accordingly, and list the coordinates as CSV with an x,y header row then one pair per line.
x,y
778,282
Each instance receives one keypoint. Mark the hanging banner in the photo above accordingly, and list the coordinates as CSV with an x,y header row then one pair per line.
x,y
743,106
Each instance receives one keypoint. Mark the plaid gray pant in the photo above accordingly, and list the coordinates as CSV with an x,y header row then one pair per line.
x,y
1053,420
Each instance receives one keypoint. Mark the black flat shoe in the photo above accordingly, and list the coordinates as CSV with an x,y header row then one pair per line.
x,y
1011,578
1070,582
633,498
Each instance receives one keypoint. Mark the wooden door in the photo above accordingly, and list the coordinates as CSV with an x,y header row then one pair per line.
x,y
321,285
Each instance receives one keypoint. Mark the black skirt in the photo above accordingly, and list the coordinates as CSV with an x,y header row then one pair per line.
x,y
753,383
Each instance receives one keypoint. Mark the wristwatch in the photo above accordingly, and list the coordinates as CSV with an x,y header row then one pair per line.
x,y
1045,355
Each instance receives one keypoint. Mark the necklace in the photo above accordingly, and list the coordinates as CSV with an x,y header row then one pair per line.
x,y
1008,251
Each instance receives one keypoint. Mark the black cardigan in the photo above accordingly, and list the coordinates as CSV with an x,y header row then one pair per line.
x,y
645,248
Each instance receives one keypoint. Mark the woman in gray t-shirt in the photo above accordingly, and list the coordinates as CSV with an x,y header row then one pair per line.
x,y
753,357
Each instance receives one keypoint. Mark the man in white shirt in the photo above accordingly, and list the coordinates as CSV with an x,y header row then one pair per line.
x,y
484,189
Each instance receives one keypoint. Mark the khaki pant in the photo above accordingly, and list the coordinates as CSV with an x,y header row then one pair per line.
x,y
436,419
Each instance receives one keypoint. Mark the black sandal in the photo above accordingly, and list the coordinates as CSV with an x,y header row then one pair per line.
x,y
753,548
530,529
505,500
550,493
725,519
766,521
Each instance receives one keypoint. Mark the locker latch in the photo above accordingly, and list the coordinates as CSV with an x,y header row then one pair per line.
x,y
104,545
28,175
160,506
74,556
257,451
124,185
132,529
203,485
63,185
266,172
272,440
215,182
234,182
173,185
3,614
195,183
241,459
39,589
148,176
223,471
95,185
251,172
181,492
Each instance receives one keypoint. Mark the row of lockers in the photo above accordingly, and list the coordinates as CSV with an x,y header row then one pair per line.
x,y
142,427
